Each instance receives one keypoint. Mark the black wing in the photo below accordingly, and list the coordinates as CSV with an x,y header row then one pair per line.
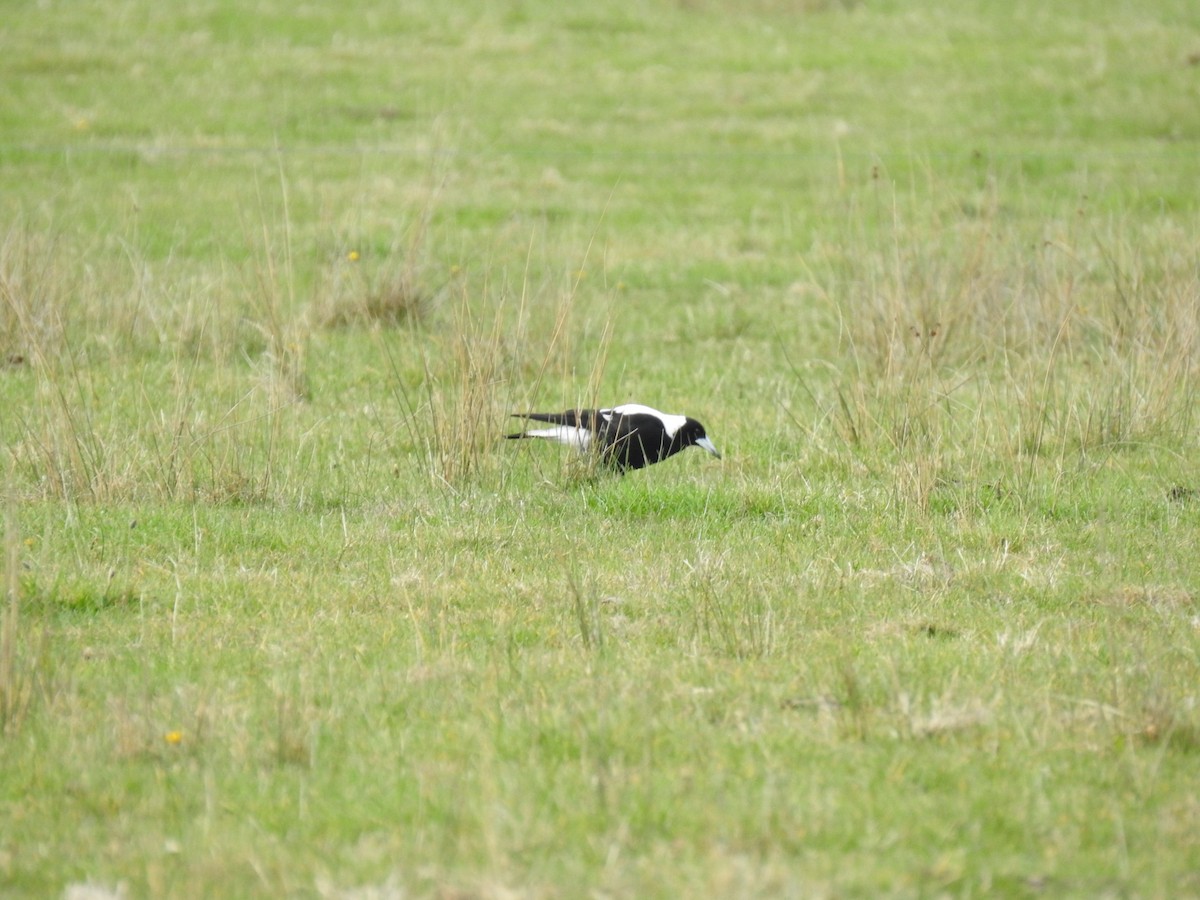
x,y
575,418
636,440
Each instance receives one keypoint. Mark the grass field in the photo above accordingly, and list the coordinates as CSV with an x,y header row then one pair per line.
x,y
285,616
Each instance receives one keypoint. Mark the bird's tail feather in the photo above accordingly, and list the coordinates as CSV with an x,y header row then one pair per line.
x,y
572,417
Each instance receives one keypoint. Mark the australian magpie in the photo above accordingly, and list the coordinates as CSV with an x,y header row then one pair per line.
x,y
629,436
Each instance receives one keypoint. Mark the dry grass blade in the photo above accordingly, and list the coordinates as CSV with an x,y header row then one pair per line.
x,y
16,684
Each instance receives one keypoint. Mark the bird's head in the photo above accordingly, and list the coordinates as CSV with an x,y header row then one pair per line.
x,y
691,433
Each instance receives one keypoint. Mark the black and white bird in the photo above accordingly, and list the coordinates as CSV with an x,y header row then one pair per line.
x,y
629,436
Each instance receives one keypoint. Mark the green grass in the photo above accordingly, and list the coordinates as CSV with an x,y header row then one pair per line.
x,y
285,616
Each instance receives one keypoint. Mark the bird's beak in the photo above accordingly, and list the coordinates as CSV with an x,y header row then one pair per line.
x,y
708,445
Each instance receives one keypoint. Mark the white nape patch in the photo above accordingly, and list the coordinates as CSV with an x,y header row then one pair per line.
x,y
579,438
670,423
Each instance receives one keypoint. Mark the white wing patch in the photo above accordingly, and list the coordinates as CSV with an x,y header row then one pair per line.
x,y
671,423
579,438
